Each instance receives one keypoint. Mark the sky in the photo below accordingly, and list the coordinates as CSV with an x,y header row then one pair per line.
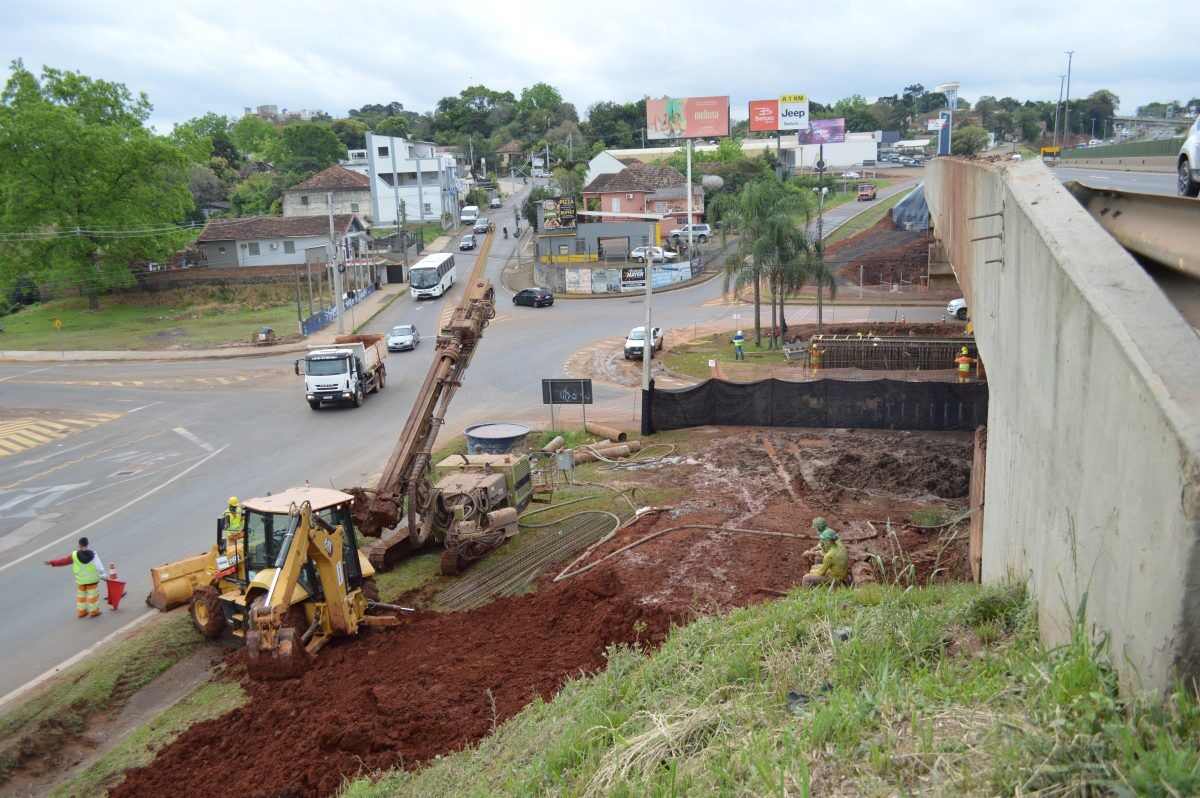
x,y
193,58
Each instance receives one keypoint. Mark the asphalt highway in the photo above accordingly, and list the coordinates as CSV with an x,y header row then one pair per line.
x,y
142,456
1141,182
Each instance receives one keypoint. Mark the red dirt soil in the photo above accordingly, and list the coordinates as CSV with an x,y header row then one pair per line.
x,y
886,254
398,697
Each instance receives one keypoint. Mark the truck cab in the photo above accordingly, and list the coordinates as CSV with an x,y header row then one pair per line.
x,y
345,372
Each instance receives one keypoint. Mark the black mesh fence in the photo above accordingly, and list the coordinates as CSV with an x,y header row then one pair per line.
x,y
877,404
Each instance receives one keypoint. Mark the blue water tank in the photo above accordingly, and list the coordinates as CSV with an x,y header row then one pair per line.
x,y
499,438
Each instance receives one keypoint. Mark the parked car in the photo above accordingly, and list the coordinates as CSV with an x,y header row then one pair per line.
x,y
905,160
467,241
481,225
636,340
958,309
401,337
851,175
700,232
654,253
1188,165
534,297
494,202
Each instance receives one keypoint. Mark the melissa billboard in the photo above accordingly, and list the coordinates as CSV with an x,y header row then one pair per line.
x,y
687,118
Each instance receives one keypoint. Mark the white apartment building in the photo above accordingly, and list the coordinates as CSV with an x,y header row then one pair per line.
x,y
428,183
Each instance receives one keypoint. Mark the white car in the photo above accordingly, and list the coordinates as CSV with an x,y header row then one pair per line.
x,y
1187,164
700,232
636,340
850,175
403,336
957,309
654,253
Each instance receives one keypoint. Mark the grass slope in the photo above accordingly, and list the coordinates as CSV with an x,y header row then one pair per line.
x,y
937,691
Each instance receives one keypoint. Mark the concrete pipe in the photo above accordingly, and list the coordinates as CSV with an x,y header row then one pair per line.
x,y
609,432
587,456
554,445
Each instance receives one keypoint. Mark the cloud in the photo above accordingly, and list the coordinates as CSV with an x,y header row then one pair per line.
x,y
307,54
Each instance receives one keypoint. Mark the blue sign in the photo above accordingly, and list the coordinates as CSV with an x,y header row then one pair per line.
x,y
943,147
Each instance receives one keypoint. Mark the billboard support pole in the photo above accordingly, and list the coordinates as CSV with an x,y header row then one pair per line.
x,y
689,198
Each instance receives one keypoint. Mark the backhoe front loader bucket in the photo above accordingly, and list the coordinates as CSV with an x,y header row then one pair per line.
x,y
287,659
172,584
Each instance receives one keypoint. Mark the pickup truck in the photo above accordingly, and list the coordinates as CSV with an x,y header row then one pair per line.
x,y
866,192
346,371
636,340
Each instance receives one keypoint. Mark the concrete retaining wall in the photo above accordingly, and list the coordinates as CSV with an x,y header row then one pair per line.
x,y
1093,455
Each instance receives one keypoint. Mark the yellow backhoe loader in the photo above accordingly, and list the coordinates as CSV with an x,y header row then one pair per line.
x,y
289,583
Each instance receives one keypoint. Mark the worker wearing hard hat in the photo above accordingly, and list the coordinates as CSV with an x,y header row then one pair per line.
x,y
233,520
964,361
739,346
834,567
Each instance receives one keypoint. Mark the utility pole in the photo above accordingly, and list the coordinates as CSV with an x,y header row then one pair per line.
x,y
546,169
821,191
336,266
1057,108
1067,107
689,197
648,337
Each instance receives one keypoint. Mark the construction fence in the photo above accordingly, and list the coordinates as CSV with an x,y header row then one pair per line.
x,y
826,403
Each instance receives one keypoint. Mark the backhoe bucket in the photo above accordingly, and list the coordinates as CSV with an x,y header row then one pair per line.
x,y
172,584
288,660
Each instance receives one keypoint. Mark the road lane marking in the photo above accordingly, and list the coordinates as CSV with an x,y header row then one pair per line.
x,y
143,407
120,509
78,460
62,666
182,432
22,434
24,374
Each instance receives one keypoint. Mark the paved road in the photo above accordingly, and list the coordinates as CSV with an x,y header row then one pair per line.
x,y
1143,182
141,456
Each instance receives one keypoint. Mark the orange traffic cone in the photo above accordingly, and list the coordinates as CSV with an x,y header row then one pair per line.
x,y
116,588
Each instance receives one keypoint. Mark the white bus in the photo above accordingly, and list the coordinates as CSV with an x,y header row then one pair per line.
x,y
431,276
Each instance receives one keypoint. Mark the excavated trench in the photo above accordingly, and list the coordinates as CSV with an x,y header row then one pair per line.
x,y
398,697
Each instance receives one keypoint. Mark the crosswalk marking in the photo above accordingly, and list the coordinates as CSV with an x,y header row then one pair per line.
x,y
21,434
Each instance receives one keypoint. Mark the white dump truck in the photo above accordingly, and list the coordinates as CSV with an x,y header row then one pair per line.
x,y
345,371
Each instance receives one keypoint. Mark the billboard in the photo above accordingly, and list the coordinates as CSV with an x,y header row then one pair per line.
x,y
687,118
934,124
789,112
823,131
558,213
764,116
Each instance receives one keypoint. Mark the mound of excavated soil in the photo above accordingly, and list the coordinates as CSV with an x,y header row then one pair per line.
x,y
886,255
398,697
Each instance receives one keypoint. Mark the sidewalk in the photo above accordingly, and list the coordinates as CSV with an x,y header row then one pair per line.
x,y
358,316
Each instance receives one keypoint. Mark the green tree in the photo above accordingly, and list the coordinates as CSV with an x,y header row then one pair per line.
x,y
350,132
1027,120
858,115
254,137
373,114
80,170
529,206
305,148
570,180
260,194
763,215
397,126
968,140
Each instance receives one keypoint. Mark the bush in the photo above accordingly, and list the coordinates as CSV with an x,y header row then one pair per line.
x,y
968,140
24,292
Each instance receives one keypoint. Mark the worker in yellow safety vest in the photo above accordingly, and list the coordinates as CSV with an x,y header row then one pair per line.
x,y
834,568
89,570
233,520
964,362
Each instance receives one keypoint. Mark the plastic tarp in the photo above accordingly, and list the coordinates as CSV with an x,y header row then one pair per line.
x,y
872,404
913,209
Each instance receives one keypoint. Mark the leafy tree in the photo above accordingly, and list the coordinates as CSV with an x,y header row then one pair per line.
x,y
1028,120
968,140
529,206
397,126
254,137
619,124
205,186
79,167
855,111
373,114
350,132
209,125
260,194
570,181
305,148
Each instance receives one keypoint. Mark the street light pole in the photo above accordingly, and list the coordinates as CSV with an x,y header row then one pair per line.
x,y
1058,108
821,192
1067,107
647,338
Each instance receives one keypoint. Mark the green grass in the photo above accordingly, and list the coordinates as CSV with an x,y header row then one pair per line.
x,y
92,687
912,702
194,317
692,358
865,220
207,701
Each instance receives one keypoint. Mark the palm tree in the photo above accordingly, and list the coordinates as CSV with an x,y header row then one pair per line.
x,y
767,216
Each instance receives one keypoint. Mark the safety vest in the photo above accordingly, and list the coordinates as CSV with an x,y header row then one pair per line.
x,y
739,341
964,363
85,572
234,522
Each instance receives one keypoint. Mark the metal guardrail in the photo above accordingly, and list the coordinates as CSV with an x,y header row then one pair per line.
x,y
1127,149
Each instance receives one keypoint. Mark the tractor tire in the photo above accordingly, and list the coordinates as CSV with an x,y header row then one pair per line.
x,y
370,588
205,609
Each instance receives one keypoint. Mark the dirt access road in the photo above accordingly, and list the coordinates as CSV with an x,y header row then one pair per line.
x,y
395,698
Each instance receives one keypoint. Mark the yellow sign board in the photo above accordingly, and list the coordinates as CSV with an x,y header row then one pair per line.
x,y
793,98
58,324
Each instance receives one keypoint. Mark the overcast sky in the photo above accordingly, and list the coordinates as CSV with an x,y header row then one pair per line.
x,y
198,57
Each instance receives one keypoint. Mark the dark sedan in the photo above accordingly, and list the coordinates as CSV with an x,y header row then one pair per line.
x,y
534,297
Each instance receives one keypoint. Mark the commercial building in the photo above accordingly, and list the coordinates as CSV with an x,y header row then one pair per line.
x,y
644,188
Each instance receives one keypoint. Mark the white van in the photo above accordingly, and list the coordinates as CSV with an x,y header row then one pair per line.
x,y
469,214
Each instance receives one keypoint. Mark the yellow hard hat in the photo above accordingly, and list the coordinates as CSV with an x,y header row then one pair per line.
x,y
964,350
233,502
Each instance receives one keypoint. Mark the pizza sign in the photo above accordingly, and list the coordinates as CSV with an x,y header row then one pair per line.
x,y
558,213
